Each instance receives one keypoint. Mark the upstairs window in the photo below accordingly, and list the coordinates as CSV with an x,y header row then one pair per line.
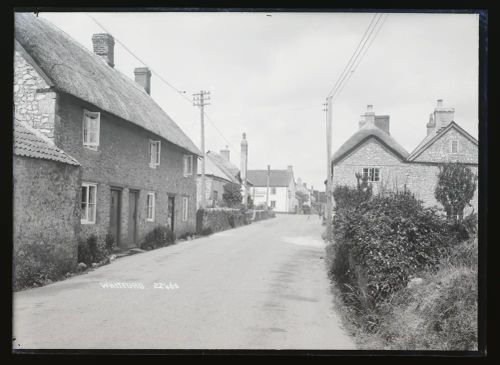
x,y
454,146
154,153
150,206
188,165
273,191
372,173
89,194
91,128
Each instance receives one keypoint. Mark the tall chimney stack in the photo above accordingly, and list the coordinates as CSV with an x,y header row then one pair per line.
x,y
143,78
226,153
243,165
368,118
442,116
104,46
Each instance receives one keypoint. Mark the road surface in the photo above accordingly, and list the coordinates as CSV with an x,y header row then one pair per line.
x,y
261,286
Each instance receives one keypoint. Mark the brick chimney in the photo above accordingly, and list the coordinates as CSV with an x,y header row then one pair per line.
x,y
143,78
442,116
431,125
382,122
104,46
226,153
368,120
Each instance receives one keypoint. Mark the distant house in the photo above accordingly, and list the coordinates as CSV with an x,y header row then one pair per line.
x,y
219,170
374,153
138,168
282,189
46,197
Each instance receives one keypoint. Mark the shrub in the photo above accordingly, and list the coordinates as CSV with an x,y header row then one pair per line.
x,y
109,242
158,237
206,231
455,188
84,254
186,235
232,194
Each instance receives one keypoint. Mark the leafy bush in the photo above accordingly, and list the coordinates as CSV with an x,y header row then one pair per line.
x,y
158,237
206,231
462,230
455,188
232,194
186,235
384,240
109,242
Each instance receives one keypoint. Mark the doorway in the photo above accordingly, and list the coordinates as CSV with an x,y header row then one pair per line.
x,y
132,216
115,214
171,211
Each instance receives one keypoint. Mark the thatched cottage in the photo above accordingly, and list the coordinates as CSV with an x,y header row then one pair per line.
x,y
374,153
138,168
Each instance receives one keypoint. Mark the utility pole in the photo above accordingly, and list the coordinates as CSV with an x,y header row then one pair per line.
x,y
328,190
201,99
268,178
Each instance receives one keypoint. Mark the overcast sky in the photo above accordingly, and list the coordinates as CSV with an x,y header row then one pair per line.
x,y
269,75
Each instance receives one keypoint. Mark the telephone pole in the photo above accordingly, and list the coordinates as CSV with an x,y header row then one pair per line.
x,y
267,184
328,190
201,99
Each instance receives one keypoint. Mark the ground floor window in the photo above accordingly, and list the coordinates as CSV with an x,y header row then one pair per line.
x,y
371,173
89,203
216,195
273,203
150,205
185,205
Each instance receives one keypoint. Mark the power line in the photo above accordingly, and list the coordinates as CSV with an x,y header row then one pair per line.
x,y
355,66
352,56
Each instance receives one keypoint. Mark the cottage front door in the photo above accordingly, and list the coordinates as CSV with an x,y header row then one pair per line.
x,y
132,216
114,219
171,211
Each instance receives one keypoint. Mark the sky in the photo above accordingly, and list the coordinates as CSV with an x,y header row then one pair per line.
x,y
269,74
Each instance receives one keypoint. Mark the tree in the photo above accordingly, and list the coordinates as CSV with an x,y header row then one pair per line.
x,y
232,194
302,197
455,188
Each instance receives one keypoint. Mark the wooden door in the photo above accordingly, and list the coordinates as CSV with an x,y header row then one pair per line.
x,y
114,221
171,211
132,216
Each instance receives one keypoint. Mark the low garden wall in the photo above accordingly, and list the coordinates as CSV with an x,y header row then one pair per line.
x,y
212,220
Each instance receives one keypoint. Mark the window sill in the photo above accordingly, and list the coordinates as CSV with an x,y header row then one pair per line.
x,y
154,166
93,149
86,222
150,220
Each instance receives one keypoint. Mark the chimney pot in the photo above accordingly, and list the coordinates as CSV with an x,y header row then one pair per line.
x,y
440,103
369,108
104,46
143,78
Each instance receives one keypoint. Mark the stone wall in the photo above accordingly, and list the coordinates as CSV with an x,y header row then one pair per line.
x,y
122,161
47,208
221,219
34,101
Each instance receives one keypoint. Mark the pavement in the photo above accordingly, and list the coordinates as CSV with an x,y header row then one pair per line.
x,y
261,286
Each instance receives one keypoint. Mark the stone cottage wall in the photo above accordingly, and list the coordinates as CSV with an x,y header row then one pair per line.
x,y
46,207
122,161
34,101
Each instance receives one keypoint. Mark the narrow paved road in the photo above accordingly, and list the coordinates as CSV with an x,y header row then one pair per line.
x,y
262,286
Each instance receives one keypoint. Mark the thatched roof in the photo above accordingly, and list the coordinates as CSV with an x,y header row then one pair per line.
x,y
29,143
276,177
231,171
76,71
364,134
211,169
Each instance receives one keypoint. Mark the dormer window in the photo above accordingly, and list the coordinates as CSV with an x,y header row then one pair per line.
x,y
454,146
91,129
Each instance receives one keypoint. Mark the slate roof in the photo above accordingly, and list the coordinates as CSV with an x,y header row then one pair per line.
x,y
276,177
74,70
435,135
365,133
30,143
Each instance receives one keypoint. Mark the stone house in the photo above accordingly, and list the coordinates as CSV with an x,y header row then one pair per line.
x,y
282,189
138,167
374,153
219,170
46,211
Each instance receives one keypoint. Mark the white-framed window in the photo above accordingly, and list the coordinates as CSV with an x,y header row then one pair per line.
x,y
372,173
91,129
185,207
154,153
89,203
150,207
215,195
454,146
273,191
188,165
